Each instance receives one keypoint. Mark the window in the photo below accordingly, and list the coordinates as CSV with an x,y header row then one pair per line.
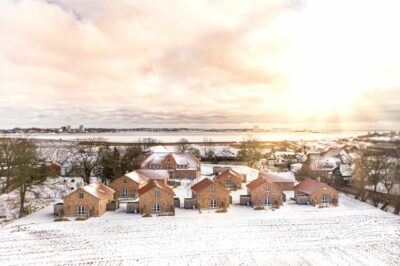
x,y
80,195
324,199
125,180
189,176
267,201
124,193
229,184
213,190
213,204
156,207
156,193
81,210
267,189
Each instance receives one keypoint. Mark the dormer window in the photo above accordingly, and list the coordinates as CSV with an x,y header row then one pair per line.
x,y
80,195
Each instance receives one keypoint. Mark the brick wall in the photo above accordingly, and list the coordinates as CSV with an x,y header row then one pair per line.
x,y
204,197
95,206
259,194
118,185
225,177
165,199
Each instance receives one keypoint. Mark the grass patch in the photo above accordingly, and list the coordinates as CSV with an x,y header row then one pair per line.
x,y
258,208
146,215
81,218
166,214
61,219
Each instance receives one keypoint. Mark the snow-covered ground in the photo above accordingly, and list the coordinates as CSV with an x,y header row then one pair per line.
x,y
53,190
352,234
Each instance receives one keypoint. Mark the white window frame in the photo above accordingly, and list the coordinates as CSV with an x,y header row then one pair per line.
x,y
213,190
80,196
156,193
81,210
229,184
125,192
324,198
155,207
267,201
213,204
267,189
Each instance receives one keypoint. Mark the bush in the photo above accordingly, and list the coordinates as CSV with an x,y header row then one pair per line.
x,y
221,211
321,206
146,215
175,185
258,208
61,219
81,218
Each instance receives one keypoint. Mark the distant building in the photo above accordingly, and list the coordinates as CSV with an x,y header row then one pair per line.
x,y
68,128
81,129
63,129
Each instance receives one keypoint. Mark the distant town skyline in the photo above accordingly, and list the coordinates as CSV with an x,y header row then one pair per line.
x,y
298,64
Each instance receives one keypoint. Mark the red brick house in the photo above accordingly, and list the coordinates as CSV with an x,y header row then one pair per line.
x,y
90,200
230,179
178,164
128,185
156,197
264,192
210,194
315,193
285,180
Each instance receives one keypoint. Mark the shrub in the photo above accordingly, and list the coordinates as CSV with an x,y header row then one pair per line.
x,y
221,211
81,218
61,219
321,206
146,215
258,208
175,185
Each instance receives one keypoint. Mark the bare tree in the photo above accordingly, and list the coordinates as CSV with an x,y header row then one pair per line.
x,y
7,156
146,143
183,145
86,155
28,169
209,148
250,150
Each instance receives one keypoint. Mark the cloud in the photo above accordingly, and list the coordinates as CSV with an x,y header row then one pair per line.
x,y
205,63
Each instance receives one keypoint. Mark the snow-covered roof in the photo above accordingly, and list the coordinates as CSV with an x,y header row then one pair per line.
x,y
281,177
159,148
179,157
98,190
134,176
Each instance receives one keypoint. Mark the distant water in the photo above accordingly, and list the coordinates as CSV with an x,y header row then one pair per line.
x,y
168,137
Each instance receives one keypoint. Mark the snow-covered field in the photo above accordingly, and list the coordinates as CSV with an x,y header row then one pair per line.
x,y
199,136
352,234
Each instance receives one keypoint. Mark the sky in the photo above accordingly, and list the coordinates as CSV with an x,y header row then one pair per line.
x,y
318,64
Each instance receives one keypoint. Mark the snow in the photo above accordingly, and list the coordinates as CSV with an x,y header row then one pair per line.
x,y
352,234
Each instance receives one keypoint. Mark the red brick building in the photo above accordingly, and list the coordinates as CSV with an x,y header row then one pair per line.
x,y
128,185
230,179
90,200
210,194
285,180
178,164
264,192
315,193
156,197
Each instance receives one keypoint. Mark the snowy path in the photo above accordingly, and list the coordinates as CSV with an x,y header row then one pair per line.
x,y
352,234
